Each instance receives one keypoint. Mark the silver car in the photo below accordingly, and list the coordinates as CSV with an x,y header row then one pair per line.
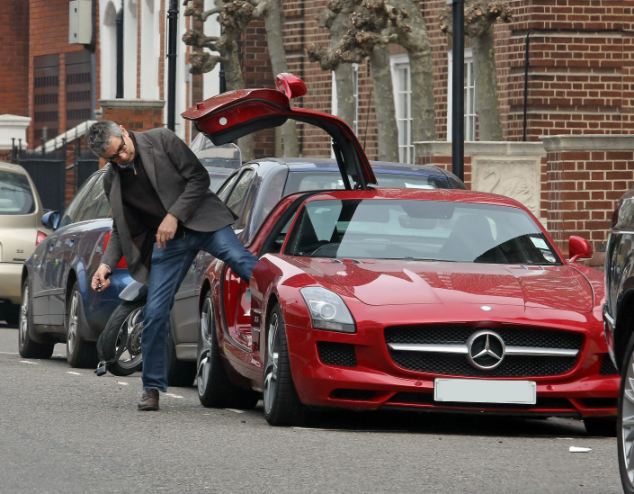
x,y
21,230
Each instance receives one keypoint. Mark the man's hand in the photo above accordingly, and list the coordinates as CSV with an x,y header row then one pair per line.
x,y
166,230
101,278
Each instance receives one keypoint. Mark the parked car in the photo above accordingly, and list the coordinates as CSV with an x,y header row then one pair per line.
x,y
402,298
21,230
252,191
219,161
618,317
58,304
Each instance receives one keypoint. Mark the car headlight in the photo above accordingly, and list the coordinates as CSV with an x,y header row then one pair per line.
x,y
327,310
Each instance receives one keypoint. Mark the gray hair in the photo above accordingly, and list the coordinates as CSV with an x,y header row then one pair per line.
x,y
99,135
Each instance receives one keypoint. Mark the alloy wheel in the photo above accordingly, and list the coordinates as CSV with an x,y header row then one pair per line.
x,y
627,420
128,344
271,368
204,359
24,314
73,323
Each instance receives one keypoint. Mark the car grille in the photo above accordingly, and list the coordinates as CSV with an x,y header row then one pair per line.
x,y
340,354
454,364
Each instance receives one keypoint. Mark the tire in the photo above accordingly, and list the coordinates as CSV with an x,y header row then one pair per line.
x,y
121,339
79,352
180,373
215,390
281,403
600,426
27,347
625,420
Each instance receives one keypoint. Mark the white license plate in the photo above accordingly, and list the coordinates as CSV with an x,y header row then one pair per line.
x,y
485,391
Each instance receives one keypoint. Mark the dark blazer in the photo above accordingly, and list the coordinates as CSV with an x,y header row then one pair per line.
x,y
182,184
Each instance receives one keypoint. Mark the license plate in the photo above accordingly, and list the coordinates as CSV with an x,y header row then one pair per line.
x,y
485,391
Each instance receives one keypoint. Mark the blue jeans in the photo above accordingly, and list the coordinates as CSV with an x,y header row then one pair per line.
x,y
169,267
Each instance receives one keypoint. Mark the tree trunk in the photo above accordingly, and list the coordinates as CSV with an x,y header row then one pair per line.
x,y
343,72
384,104
286,140
489,126
235,80
416,42
345,93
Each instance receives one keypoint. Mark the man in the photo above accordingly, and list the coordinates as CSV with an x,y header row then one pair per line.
x,y
163,214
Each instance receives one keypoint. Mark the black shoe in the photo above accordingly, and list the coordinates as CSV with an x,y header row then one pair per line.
x,y
149,400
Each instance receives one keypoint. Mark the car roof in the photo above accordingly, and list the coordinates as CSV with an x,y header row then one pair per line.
x,y
329,164
451,195
13,168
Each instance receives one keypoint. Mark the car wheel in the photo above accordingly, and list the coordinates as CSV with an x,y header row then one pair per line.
x,y
180,373
120,340
79,352
215,390
27,347
600,426
281,403
625,420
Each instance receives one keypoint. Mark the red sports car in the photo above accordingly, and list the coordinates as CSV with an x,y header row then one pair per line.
x,y
420,299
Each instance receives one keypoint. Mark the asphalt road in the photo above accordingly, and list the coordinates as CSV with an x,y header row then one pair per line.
x,y
66,430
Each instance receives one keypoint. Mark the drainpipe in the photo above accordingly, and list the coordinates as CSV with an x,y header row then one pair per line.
x,y
93,62
119,23
526,65
457,89
172,26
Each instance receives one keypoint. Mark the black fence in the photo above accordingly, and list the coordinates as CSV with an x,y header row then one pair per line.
x,y
53,170
48,171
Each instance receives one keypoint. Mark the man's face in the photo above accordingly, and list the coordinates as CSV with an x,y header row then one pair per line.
x,y
120,150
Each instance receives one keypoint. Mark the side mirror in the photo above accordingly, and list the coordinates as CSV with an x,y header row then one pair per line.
x,y
578,248
50,219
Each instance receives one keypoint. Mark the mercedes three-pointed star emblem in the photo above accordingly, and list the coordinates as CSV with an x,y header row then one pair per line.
x,y
485,350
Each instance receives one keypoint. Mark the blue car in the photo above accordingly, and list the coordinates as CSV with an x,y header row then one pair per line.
x,y
58,304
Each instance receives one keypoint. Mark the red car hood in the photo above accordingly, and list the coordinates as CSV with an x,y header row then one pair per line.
x,y
384,282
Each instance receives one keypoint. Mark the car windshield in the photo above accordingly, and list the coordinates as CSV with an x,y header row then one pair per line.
x,y
419,230
15,194
304,181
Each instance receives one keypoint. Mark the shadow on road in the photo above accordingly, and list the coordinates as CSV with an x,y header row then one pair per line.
x,y
446,423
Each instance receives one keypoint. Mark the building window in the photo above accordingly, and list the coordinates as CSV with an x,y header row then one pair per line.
x,y
78,88
45,97
403,106
334,104
470,122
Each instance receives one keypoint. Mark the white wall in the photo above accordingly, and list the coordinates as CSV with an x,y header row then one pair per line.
x,y
130,50
150,49
108,49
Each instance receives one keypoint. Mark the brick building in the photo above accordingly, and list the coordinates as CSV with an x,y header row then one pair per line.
x,y
577,71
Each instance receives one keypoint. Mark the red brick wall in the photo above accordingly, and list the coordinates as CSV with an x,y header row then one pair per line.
x,y
48,35
580,79
582,188
14,57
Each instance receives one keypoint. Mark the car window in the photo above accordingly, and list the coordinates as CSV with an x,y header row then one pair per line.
x,y
96,204
225,189
414,229
73,211
235,201
15,194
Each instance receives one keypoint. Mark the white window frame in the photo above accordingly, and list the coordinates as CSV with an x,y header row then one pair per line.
x,y
470,115
399,65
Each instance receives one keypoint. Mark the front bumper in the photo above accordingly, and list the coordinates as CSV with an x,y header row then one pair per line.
x,y
10,281
369,379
